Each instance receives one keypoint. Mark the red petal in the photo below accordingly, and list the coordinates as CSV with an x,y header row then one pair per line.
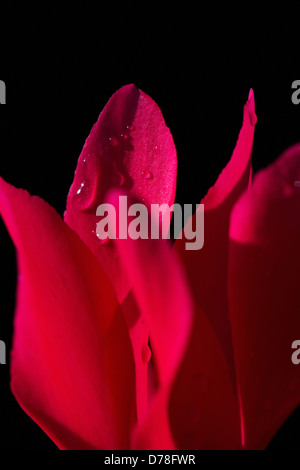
x,y
207,268
154,433
72,366
264,297
129,146
163,298
162,295
203,407
198,410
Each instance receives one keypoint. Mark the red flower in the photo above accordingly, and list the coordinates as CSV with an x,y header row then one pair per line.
x,y
220,320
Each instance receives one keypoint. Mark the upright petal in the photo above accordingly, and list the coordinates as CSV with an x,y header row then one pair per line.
x,y
193,404
203,408
264,260
71,363
207,268
162,295
129,147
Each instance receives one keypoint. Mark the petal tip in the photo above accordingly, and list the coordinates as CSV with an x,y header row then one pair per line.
x,y
129,86
249,109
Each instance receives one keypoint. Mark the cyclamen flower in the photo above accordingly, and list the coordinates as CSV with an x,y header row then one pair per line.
x,y
132,344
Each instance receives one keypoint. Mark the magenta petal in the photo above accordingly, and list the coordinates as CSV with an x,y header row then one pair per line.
x,y
162,295
264,299
154,433
203,408
129,147
237,174
207,268
71,363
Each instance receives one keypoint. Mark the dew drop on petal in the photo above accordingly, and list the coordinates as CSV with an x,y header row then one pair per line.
x,y
147,175
102,241
156,149
79,190
84,197
130,128
84,193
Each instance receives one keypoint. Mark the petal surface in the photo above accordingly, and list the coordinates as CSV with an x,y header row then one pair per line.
x,y
207,267
163,297
72,368
198,408
264,299
203,408
162,294
130,147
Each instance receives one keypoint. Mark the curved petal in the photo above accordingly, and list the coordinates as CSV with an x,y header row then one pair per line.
x,y
162,295
129,147
203,407
207,268
154,433
71,364
264,260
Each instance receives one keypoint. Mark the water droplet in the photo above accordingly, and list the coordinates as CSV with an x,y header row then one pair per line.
x,y
103,241
156,149
124,136
146,354
86,184
79,190
253,118
84,197
147,175
297,184
130,128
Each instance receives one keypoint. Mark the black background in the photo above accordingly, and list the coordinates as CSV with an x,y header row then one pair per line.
x,y
60,69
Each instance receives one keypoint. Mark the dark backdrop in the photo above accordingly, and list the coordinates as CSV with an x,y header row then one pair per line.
x,y
60,70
